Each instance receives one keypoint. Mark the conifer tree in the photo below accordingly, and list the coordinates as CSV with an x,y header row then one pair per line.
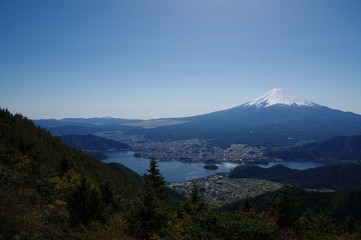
x,y
286,207
86,203
155,181
150,217
247,207
196,202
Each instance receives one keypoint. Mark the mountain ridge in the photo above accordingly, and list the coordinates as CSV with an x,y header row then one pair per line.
x,y
271,126
330,176
277,118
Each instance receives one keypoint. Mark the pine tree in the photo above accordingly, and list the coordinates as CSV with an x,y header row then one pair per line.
x,y
86,203
151,216
155,181
286,207
247,207
196,202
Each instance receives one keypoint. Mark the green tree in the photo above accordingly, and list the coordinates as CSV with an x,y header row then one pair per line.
x,y
350,225
86,203
154,181
196,203
286,209
247,207
311,226
151,216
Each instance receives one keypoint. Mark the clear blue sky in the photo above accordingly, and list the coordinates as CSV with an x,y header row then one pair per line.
x,y
171,58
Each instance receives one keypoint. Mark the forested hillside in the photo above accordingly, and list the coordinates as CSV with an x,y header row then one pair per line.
x,y
331,150
50,191
332,176
338,206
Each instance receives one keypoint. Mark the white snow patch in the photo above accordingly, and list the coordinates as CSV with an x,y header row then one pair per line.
x,y
279,96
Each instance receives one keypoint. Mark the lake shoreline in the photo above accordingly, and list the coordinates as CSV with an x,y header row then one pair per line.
x,y
178,171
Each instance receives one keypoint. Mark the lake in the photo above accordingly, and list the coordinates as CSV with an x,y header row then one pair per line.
x,y
172,171
176,171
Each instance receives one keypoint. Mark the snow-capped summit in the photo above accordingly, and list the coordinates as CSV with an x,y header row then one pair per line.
x,y
279,96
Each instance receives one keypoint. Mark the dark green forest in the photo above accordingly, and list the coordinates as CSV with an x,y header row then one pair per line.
x,y
331,150
51,191
337,176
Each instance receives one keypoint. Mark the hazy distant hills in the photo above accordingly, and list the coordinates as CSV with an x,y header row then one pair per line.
x,y
277,118
82,126
84,121
91,142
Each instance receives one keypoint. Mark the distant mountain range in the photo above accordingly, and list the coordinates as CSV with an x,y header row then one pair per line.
x,y
82,126
277,118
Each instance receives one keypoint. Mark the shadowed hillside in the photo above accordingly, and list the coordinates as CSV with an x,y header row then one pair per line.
x,y
51,191
332,176
91,142
334,149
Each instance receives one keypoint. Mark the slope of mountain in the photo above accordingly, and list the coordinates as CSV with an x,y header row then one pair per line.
x,y
51,191
91,142
334,149
279,96
332,176
277,118
340,205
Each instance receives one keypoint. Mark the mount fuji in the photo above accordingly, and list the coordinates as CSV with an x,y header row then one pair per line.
x,y
277,118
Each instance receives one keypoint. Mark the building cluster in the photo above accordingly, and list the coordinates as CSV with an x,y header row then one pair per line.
x,y
220,189
190,150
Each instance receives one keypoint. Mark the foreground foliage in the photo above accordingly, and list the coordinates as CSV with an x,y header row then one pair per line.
x,y
50,191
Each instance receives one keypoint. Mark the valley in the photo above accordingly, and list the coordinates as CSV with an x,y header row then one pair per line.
x,y
189,150
275,126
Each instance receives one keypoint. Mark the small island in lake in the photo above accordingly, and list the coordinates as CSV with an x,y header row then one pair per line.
x,y
211,167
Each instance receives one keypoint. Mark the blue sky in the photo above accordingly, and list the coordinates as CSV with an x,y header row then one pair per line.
x,y
171,58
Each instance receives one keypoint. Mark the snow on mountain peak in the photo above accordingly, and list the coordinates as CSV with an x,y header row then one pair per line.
x,y
279,96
